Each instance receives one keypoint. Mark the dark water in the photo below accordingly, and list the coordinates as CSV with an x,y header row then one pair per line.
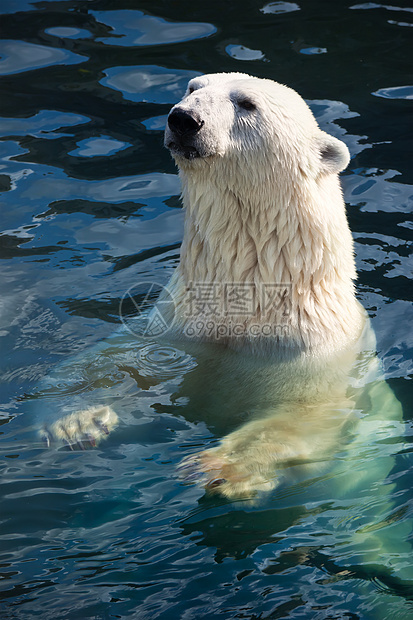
x,y
89,206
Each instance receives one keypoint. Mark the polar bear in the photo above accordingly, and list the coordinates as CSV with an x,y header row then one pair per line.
x,y
264,290
265,215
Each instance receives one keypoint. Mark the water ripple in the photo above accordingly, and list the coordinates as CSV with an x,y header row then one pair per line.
x,y
396,92
148,83
21,56
164,361
135,28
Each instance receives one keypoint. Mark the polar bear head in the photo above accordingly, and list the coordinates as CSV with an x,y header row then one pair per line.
x,y
243,120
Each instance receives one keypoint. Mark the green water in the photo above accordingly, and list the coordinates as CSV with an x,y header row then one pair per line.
x,y
89,207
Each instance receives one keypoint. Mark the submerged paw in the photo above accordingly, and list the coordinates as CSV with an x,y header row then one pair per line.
x,y
82,429
233,478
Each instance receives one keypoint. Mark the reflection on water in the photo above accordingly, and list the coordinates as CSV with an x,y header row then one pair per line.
x,y
98,147
131,28
89,209
151,84
43,125
19,56
396,92
68,33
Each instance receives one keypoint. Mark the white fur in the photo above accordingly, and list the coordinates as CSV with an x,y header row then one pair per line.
x,y
264,205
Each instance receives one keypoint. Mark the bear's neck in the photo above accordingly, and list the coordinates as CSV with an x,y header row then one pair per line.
x,y
298,239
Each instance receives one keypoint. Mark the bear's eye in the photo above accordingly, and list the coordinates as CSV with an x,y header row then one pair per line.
x,y
247,104
193,87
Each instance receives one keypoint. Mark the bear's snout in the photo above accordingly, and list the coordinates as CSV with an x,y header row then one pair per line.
x,y
183,123
182,133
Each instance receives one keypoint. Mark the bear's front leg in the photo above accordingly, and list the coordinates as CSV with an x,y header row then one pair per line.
x,y
252,458
81,429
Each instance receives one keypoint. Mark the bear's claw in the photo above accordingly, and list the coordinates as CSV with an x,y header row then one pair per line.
x,y
82,429
212,484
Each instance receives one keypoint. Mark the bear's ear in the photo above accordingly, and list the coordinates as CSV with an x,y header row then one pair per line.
x,y
334,154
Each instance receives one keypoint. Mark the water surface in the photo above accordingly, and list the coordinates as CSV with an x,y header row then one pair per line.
x,y
90,207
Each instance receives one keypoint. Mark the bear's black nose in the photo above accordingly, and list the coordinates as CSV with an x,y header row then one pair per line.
x,y
182,122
